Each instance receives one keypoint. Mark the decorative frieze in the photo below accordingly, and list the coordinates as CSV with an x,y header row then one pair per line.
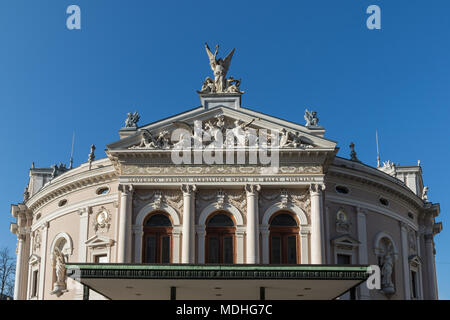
x,y
143,170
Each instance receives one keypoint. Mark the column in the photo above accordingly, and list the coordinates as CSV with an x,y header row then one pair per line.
x,y
17,282
240,231
405,260
176,235
201,232
265,243
42,269
304,234
252,249
125,198
420,268
188,237
84,222
429,254
138,232
317,244
363,256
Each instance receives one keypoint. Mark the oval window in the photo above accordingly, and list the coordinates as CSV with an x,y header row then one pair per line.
x,y
342,189
103,190
384,202
62,203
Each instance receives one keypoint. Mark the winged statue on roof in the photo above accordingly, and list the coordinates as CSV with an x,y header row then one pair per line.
x,y
220,67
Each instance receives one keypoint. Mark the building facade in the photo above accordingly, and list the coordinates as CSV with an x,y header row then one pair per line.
x,y
155,199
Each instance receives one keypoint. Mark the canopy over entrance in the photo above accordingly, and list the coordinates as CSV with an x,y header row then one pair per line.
x,y
216,282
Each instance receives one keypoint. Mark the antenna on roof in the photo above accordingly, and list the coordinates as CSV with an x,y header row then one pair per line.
x,y
71,153
378,150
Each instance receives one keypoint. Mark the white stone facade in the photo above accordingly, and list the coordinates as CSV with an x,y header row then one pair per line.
x,y
343,209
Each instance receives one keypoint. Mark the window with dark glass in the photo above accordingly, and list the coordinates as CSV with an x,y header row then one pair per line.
x,y
34,283
157,239
414,284
219,244
284,240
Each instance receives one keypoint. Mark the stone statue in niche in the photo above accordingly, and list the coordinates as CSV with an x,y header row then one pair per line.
x,y
58,264
387,268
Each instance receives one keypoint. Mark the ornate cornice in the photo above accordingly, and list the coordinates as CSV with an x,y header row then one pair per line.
x,y
386,184
69,184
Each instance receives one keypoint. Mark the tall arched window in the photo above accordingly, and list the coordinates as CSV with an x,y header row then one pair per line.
x,y
157,246
220,229
284,239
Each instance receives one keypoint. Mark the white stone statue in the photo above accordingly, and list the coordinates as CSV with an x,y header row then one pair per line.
x,y
220,67
311,118
425,194
132,120
58,264
387,269
208,86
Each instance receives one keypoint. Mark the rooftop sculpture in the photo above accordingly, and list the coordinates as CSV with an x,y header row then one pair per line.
x,y
220,67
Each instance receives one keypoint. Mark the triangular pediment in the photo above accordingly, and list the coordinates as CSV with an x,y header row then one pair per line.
x,y
345,239
99,241
299,136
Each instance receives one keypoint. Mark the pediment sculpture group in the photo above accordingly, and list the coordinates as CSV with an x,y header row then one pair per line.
x,y
220,132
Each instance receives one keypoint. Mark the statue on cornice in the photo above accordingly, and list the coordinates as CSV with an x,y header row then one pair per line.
x,y
132,120
425,194
311,118
220,67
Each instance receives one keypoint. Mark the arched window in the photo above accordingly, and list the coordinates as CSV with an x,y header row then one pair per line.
x,y
220,229
157,246
284,239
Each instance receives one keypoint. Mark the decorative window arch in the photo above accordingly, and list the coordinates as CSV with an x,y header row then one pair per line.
x,y
239,232
157,240
220,238
284,238
64,242
304,229
138,229
299,213
149,209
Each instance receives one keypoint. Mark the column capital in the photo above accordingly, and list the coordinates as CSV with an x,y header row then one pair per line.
x,y
403,226
45,225
126,188
188,189
252,188
316,188
361,210
84,211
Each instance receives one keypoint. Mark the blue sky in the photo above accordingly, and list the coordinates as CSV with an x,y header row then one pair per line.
x,y
149,56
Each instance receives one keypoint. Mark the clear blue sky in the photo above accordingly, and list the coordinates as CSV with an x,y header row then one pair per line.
x,y
149,56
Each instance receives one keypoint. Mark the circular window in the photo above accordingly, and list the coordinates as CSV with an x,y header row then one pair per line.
x,y
342,189
410,215
384,202
62,203
102,190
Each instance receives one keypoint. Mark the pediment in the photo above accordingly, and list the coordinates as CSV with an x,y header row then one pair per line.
x,y
157,135
345,239
99,241
34,259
